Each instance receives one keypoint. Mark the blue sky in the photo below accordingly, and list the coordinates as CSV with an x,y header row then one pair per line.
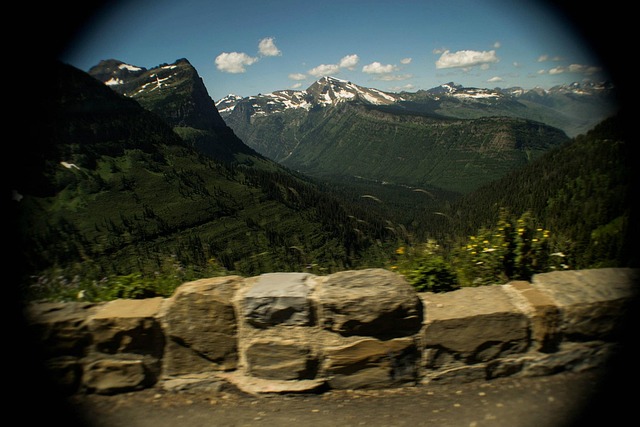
x,y
248,47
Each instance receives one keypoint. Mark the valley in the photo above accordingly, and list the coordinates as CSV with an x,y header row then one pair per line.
x,y
144,183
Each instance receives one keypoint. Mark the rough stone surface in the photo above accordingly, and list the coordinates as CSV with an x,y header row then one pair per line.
x,y
66,373
113,375
278,298
542,311
61,328
592,303
281,360
200,322
128,326
472,325
370,302
372,363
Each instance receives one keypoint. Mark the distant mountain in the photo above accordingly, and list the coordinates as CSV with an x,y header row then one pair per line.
x,y
337,130
177,94
574,108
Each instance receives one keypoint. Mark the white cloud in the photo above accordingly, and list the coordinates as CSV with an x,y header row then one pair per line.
x,y
378,68
349,62
234,62
465,58
394,77
267,47
405,61
497,45
324,70
495,79
408,86
583,69
573,68
297,76
544,58
296,86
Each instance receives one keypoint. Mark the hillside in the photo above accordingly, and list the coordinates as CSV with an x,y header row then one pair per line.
x,y
116,191
370,141
581,191
449,138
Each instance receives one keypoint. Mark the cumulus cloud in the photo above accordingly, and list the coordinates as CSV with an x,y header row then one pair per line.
x,y
267,47
378,68
234,62
324,70
297,76
349,62
495,79
466,58
405,61
573,68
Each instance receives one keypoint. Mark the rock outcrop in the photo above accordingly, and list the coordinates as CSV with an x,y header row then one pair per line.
x,y
293,332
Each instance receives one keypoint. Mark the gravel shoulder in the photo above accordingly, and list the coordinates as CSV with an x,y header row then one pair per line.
x,y
566,399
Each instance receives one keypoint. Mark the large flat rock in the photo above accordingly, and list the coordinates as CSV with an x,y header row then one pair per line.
x,y
201,326
278,299
592,303
472,325
371,302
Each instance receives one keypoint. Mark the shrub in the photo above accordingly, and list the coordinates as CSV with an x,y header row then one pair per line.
x,y
434,274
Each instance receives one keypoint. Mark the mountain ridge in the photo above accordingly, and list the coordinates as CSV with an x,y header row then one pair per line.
x,y
497,101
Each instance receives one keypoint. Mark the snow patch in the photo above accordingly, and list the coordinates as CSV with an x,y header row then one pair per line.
x,y
69,165
129,67
113,82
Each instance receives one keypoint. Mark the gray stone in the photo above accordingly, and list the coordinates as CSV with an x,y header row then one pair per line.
x,y
592,303
543,313
371,302
278,298
459,374
128,326
473,325
283,360
115,375
61,328
372,363
200,323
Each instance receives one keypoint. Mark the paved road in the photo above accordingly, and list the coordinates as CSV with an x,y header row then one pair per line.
x,y
561,400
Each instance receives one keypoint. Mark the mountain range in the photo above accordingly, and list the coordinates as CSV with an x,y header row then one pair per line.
x,y
131,169
573,108
450,137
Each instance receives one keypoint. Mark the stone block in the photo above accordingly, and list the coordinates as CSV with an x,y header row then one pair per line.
x,y
115,375
200,322
593,303
472,325
370,302
280,360
278,299
128,326
61,329
372,363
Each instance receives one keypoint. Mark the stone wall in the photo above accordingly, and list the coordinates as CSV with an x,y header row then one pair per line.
x,y
295,332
